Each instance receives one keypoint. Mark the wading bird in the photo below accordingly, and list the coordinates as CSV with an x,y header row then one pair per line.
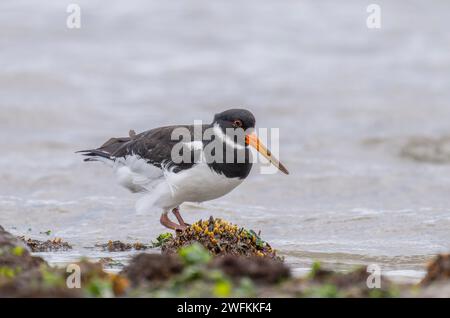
x,y
145,162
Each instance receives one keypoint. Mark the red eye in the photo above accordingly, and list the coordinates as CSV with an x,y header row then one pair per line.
x,y
237,123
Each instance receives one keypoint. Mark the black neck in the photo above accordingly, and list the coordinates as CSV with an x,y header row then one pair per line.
x,y
235,163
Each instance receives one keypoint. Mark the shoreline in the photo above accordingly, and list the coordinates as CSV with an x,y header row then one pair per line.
x,y
226,275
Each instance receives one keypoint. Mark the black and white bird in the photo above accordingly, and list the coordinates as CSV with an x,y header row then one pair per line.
x,y
145,162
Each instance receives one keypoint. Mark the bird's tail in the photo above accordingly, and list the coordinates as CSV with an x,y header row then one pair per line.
x,y
95,155
108,150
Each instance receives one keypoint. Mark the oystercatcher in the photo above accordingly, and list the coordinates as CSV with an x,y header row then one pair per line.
x,y
147,162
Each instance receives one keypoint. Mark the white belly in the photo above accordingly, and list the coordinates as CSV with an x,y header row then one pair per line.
x,y
200,183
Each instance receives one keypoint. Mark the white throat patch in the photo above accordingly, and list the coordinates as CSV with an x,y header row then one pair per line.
x,y
224,138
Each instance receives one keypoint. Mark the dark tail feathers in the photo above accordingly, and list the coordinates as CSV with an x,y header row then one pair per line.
x,y
109,149
93,153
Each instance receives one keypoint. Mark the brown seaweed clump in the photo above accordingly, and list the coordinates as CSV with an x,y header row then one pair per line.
x,y
438,269
118,246
220,237
54,245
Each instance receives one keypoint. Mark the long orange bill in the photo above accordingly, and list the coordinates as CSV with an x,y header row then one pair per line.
x,y
254,141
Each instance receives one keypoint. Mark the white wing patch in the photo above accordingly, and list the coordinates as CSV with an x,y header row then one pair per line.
x,y
135,174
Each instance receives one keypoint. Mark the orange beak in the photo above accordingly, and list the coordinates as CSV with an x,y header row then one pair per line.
x,y
254,141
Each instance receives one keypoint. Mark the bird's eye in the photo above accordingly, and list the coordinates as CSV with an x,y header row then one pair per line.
x,y
237,123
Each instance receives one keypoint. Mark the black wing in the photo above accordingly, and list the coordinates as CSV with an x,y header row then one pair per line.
x,y
154,145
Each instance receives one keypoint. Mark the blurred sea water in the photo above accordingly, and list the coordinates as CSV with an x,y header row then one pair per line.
x,y
362,113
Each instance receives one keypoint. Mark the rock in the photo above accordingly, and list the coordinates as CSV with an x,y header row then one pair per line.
x,y
14,255
36,283
438,270
427,149
23,275
152,267
259,269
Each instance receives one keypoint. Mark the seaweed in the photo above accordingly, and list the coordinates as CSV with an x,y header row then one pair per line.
x,y
220,237
118,246
56,244
192,270
162,239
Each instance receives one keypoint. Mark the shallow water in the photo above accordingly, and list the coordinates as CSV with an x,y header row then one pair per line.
x,y
348,101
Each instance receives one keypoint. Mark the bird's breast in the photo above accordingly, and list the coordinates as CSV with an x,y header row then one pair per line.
x,y
200,183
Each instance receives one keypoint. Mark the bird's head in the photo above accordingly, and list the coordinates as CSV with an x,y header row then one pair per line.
x,y
242,119
234,119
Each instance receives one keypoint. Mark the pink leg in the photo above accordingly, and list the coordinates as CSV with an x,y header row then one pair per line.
x,y
169,224
177,214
